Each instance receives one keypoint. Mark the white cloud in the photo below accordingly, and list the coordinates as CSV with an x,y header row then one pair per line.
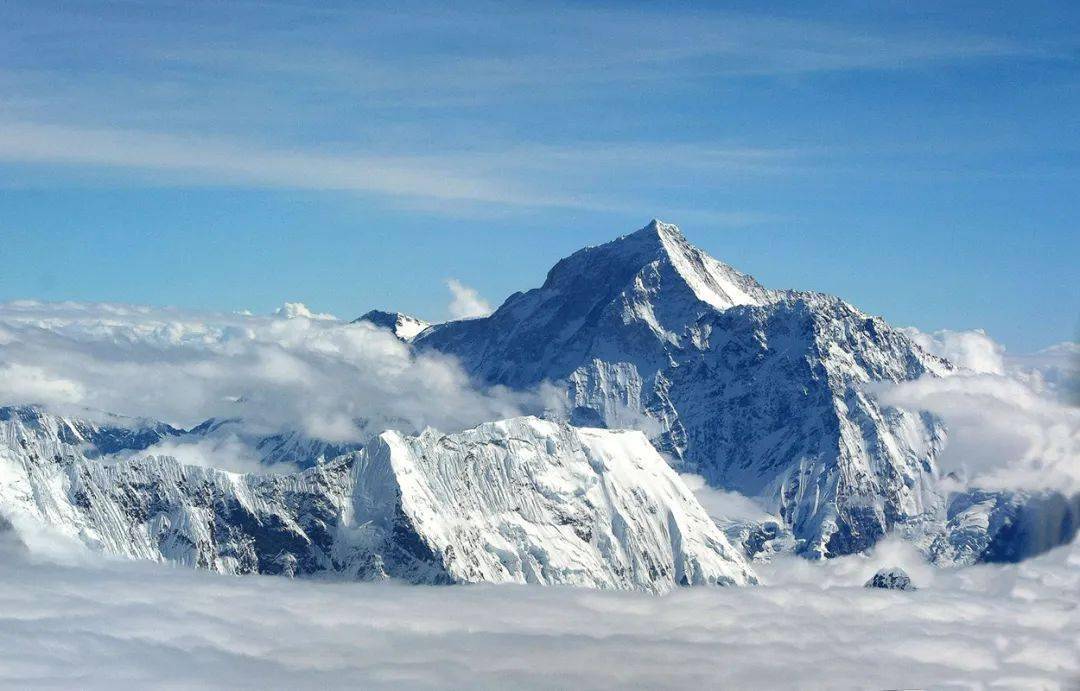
x,y
971,350
292,310
1053,371
332,380
226,452
724,506
1010,425
96,624
30,383
1001,433
466,302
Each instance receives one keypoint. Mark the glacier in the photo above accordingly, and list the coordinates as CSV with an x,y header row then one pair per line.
x,y
514,501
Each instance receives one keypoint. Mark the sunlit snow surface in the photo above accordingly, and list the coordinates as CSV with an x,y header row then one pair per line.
x,y
107,625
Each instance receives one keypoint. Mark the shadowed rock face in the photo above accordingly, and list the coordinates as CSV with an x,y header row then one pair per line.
x,y
760,391
893,578
520,501
1003,526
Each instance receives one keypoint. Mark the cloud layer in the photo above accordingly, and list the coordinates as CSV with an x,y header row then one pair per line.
x,y
101,625
297,370
1010,423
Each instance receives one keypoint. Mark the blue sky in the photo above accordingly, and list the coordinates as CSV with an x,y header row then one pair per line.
x,y
919,159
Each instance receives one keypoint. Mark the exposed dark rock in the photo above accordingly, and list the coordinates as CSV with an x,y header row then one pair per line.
x,y
893,578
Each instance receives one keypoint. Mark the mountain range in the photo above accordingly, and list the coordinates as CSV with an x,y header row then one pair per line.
x,y
764,392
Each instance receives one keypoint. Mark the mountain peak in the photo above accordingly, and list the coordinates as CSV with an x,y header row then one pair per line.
x,y
652,238
662,229
651,283
711,281
402,325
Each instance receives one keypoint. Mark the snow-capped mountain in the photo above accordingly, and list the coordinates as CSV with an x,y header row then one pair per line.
x,y
521,500
401,325
765,392
760,391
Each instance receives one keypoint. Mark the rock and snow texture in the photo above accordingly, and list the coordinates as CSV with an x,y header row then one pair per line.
x,y
520,501
893,578
760,391
401,325
1003,526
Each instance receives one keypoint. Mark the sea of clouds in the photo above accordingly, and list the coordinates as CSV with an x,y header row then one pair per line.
x,y
87,622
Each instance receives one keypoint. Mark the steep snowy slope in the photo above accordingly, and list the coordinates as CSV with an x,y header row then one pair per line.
x,y
759,391
97,435
521,500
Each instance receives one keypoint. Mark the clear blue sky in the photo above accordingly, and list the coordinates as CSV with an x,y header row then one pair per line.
x,y
919,159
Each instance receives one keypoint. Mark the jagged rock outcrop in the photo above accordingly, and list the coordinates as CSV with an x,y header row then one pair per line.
x,y
760,391
519,501
893,578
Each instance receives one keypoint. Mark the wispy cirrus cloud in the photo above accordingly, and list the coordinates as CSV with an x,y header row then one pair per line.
x,y
202,160
422,101
517,175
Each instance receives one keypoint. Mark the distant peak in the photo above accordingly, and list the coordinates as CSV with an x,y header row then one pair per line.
x,y
606,269
401,325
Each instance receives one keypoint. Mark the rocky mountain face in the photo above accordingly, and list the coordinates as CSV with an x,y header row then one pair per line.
x,y
520,501
760,391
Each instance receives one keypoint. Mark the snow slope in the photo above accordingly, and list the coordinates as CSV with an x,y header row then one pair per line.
x,y
521,500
